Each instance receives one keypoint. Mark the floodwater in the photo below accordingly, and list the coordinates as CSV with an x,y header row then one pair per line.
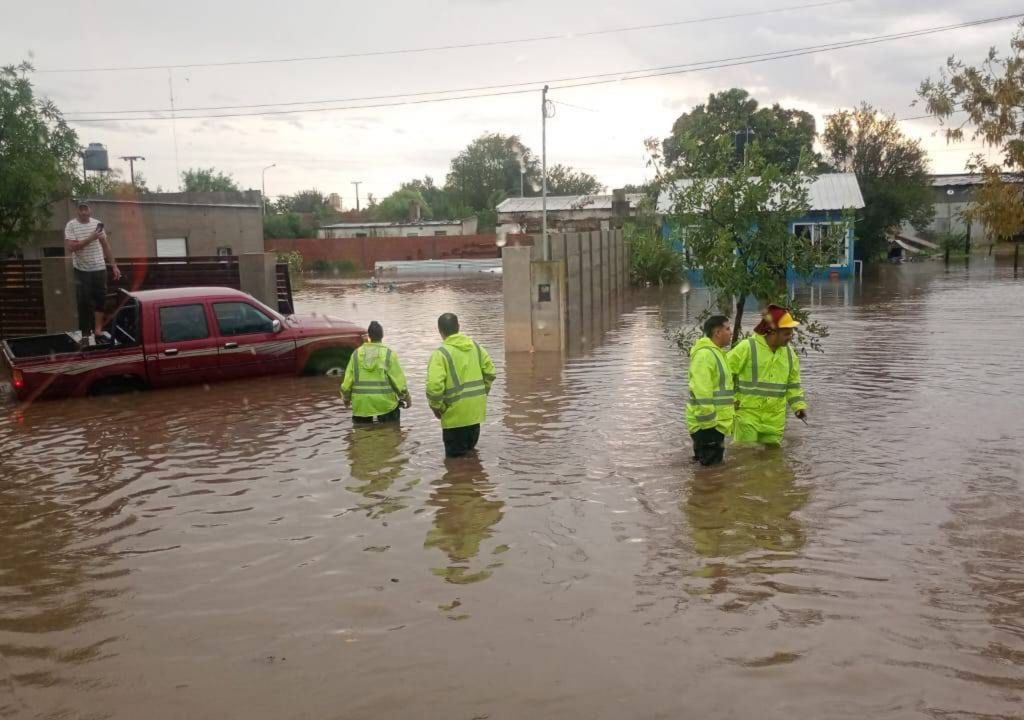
x,y
241,551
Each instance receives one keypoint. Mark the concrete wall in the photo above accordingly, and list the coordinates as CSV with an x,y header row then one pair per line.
x,y
133,227
364,253
588,276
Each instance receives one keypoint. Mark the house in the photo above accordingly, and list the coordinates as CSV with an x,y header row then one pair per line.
x,y
829,195
951,195
409,228
163,225
566,213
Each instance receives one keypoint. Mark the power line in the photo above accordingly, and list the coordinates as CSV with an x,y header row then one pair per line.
x,y
564,83
462,46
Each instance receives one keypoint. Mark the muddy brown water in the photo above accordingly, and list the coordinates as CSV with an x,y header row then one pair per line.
x,y
241,551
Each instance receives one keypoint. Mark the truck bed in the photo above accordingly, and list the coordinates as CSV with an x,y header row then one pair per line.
x,y
39,346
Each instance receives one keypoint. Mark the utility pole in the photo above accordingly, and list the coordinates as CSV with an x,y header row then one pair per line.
x,y
263,188
544,172
357,184
131,165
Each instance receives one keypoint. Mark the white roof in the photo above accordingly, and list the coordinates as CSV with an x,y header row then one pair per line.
x,y
963,179
832,191
410,223
564,203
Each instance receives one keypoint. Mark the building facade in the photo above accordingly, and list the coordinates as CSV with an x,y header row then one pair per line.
x,y
411,228
566,213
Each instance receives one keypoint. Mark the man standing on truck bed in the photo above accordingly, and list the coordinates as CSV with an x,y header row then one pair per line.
x,y
90,253
459,378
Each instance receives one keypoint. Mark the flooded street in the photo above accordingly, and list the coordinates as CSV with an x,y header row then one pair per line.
x,y
241,551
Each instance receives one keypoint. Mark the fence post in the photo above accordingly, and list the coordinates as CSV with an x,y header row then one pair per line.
x,y
60,306
257,275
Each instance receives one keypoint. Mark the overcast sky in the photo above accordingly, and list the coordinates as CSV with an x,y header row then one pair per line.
x,y
599,129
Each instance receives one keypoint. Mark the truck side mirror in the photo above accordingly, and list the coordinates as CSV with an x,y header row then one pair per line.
x,y
276,325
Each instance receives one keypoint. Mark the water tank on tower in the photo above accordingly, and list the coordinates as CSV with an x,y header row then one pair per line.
x,y
95,158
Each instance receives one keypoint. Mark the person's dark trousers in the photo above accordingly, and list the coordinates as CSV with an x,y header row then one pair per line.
x,y
91,294
708,447
459,441
393,416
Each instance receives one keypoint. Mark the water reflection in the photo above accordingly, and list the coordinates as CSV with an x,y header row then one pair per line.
x,y
744,510
376,462
465,518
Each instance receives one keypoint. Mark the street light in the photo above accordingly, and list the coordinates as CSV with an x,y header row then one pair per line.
x,y
263,187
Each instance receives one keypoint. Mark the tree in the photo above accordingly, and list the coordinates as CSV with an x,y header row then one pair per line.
x,y
735,229
112,183
783,135
892,171
443,203
488,171
207,180
38,158
992,97
563,180
305,201
398,206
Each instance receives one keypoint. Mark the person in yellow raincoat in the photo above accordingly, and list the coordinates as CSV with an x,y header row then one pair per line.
x,y
767,373
459,378
709,411
374,383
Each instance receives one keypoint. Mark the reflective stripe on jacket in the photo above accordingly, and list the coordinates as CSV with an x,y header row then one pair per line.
x,y
766,383
459,377
711,393
374,380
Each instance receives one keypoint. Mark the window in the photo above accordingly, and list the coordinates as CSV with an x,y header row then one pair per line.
x,y
53,252
831,237
440,233
239,318
224,251
171,247
359,235
181,323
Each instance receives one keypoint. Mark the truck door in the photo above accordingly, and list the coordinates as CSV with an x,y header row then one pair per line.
x,y
185,351
250,342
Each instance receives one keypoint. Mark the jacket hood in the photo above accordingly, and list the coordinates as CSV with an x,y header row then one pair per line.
x,y
459,342
372,356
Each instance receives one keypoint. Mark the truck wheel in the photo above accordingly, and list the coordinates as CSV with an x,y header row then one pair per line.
x,y
116,386
328,361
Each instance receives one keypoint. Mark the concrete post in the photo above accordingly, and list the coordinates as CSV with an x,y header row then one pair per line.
x,y
257,275
548,305
515,279
59,301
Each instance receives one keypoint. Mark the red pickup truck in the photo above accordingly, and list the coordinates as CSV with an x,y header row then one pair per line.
x,y
181,336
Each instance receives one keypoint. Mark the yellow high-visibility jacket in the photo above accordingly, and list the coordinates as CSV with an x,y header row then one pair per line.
x,y
374,380
459,377
711,389
766,383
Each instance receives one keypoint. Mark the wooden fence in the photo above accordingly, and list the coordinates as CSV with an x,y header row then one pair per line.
x,y
21,298
22,308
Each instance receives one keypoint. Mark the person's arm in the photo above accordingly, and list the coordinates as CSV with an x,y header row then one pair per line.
x,y
488,371
348,380
794,388
703,375
76,245
437,373
108,256
397,378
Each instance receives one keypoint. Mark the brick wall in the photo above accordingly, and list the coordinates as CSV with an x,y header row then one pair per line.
x,y
366,252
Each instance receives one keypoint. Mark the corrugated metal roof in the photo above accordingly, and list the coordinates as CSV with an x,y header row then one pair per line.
x,y
418,223
967,179
565,203
832,191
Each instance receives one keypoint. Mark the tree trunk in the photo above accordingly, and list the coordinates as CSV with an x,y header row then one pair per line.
x,y
1016,257
738,320
967,240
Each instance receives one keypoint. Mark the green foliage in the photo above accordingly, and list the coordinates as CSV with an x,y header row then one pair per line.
x,y
785,137
337,267
563,180
892,171
207,180
398,206
652,261
294,260
992,96
488,171
735,227
443,204
289,225
38,157
112,183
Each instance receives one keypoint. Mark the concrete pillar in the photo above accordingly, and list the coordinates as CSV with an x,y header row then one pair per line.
x,y
573,290
587,284
515,280
257,275
59,301
548,305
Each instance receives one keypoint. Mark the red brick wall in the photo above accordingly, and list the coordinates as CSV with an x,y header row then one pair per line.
x,y
365,252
